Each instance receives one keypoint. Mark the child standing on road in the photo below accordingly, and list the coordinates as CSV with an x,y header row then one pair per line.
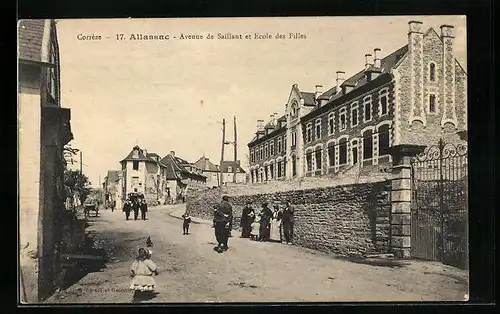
x,y
142,271
186,222
254,234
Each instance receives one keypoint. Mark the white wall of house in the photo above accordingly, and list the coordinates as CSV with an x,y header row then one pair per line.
x,y
228,177
29,117
135,178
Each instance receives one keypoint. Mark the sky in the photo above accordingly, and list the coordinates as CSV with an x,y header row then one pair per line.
x,y
172,95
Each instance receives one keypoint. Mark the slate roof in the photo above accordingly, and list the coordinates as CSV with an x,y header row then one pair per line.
x,y
176,170
30,36
329,93
205,164
141,157
233,164
308,98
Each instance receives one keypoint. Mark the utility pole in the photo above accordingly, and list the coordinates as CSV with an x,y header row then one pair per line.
x,y
222,153
235,150
81,163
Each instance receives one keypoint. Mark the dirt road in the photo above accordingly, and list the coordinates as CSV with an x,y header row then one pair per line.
x,y
191,271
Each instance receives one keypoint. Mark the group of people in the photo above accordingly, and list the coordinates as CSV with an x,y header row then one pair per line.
x,y
135,204
268,224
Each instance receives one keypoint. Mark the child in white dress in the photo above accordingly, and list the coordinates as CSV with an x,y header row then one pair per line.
x,y
254,234
142,271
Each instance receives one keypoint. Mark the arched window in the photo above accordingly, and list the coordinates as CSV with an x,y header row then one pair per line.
x,y
354,152
343,119
309,161
318,129
331,154
317,155
383,140
367,145
342,151
432,72
367,107
330,123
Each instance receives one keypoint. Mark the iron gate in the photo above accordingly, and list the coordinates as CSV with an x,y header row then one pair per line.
x,y
439,206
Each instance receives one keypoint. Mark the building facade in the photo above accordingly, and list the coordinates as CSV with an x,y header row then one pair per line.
x,y
43,131
113,187
209,170
414,95
232,172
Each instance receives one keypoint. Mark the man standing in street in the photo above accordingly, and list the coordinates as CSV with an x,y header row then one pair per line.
x,y
288,222
247,218
223,218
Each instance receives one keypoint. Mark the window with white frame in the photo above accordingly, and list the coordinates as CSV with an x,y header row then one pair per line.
x,y
343,119
309,132
271,147
309,161
318,129
294,138
261,153
278,145
354,149
331,123
317,157
354,114
266,150
383,101
367,107
331,154
342,151
367,144
284,142
383,140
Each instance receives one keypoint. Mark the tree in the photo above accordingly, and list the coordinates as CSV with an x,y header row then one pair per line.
x,y
78,183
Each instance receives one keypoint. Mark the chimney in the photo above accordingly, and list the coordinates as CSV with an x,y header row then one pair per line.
x,y
340,79
172,153
376,58
368,61
318,92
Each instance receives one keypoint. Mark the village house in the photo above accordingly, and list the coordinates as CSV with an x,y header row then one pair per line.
x,y
209,170
113,187
412,96
180,176
43,131
143,173
232,172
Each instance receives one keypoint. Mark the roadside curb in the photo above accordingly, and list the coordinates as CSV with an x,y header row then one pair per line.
x,y
178,214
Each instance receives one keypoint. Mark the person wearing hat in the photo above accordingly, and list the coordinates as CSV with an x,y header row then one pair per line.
x,y
247,218
223,218
265,220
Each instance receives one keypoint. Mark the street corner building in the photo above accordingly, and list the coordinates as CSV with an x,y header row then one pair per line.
x,y
412,96
161,180
43,130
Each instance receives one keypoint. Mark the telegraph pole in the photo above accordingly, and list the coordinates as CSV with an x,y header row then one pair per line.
x,y
235,150
222,152
81,163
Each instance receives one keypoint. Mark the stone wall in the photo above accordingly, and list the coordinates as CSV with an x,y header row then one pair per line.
x,y
348,220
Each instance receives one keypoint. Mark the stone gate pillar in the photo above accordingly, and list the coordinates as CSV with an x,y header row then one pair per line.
x,y
401,198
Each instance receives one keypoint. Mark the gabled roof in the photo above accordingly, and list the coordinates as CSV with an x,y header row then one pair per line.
x,y
175,168
142,156
30,38
328,94
233,164
205,164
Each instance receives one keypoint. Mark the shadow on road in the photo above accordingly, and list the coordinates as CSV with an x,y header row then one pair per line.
x,y
141,296
376,262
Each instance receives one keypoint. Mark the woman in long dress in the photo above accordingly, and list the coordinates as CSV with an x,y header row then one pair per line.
x,y
276,227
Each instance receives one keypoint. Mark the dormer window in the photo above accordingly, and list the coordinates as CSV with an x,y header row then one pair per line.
x,y
135,154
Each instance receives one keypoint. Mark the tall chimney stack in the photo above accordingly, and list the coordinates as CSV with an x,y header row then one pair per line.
x,y
376,58
340,79
368,60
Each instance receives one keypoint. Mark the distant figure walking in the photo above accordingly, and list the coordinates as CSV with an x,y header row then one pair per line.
x,y
113,205
185,223
135,208
247,218
143,206
288,222
223,218
127,208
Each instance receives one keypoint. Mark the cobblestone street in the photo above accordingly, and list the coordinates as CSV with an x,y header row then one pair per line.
x,y
190,270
